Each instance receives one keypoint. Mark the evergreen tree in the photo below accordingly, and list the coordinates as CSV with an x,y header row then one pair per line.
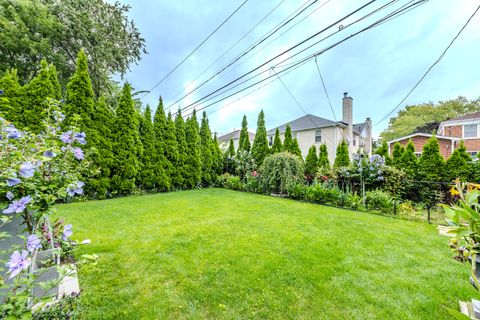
x,y
125,140
288,140
182,151
172,154
431,164
103,157
323,161
383,151
463,152
229,158
311,162
217,156
147,137
11,99
244,141
398,150
457,167
296,148
37,91
57,88
206,151
260,143
277,143
342,158
408,161
79,97
162,165
193,164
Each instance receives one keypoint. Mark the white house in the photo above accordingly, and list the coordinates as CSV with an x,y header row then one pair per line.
x,y
312,130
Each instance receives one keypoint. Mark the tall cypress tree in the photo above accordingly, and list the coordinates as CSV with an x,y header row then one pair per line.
x,y
229,158
311,162
57,88
217,156
431,164
296,148
193,164
398,150
463,152
162,165
37,91
244,141
457,167
383,151
80,97
206,151
102,121
277,143
342,158
172,154
323,161
260,143
288,140
147,137
11,99
408,161
182,150
125,144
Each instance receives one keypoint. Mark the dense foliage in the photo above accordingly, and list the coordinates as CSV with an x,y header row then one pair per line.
x,y
279,170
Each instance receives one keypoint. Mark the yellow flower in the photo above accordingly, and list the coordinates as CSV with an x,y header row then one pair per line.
x,y
454,191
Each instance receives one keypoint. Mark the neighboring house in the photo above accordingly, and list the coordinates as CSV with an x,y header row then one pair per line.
x,y
312,130
449,135
224,140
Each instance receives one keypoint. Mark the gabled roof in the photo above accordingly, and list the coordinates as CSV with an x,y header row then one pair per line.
x,y
306,122
235,135
358,127
468,116
422,134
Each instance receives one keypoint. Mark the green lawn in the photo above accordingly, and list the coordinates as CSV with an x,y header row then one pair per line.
x,y
219,254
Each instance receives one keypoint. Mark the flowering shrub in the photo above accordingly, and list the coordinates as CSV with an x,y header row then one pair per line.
x,y
36,170
280,170
369,168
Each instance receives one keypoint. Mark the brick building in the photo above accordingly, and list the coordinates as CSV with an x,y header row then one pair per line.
x,y
449,135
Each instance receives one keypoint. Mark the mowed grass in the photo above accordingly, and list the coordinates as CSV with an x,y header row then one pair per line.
x,y
220,254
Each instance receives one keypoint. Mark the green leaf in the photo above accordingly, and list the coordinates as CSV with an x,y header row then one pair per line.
x,y
457,314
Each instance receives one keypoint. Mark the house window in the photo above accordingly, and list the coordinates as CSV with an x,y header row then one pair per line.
x,y
318,135
270,141
470,131
473,154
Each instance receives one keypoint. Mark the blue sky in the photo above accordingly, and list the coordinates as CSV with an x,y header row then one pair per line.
x,y
377,68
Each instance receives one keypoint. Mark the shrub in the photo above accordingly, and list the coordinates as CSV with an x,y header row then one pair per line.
x,y
222,180
252,183
380,201
297,191
280,170
233,183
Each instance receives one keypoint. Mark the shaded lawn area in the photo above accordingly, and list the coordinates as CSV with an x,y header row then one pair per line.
x,y
221,254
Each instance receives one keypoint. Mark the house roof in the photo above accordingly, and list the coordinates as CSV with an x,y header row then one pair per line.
x,y
422,134
468,116
234,135
310,121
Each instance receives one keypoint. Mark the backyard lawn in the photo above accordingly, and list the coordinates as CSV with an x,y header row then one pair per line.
x,y
220,254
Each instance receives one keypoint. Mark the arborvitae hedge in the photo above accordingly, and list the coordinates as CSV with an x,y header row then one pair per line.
x,y
311,162
162,165
260,143
125,137
217,156
229,158
244,141
408,161
11,100
323,161
383,151
147,137
296,148
57,88
172,154
398,150
288,140
193,164
182,151
431,164
206,152
457,167
277,143
342,158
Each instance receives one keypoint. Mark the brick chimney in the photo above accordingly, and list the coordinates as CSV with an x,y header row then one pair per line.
x,y
368,136
347,117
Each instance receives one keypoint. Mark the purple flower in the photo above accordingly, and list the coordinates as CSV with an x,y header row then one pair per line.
x,y
27,169
12,132
49,154
67,231
10,195
80,137
58,116
18,262
18,206
78,153
13,181
33,243
76,188
67,137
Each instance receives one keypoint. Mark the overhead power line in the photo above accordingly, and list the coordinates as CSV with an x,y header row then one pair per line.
x,y
325,90
196,48
271,33
431,67
292,66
